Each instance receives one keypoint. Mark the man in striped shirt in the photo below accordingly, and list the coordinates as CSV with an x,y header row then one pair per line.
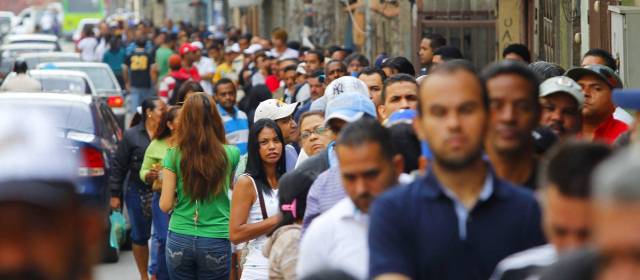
x,y
236,125
566,210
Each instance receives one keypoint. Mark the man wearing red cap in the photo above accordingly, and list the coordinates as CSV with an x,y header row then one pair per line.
x,y
173,80
188,53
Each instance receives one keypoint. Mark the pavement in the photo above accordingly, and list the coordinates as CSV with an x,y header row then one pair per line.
x,y
124,269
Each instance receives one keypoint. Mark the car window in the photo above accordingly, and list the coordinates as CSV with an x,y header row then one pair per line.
x,y
64,84
65,115
111,123
100,77
32,62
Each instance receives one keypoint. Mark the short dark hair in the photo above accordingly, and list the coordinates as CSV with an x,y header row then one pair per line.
x,y
448,53
294,186
436,40
222,82
608,58
569,167
397,78
309,114
343,66
319,74
546,70
406,143
519,49
516,68
371,70
359,57
290,68
452,66
318,54
400,63
367,130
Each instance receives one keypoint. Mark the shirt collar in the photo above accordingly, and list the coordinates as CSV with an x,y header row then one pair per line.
x,y
433,189
224,112
349,211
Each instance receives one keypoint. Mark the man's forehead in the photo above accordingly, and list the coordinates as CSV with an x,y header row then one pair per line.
x,y
591,79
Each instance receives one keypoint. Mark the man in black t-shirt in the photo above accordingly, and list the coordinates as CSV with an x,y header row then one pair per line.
x,y
138,78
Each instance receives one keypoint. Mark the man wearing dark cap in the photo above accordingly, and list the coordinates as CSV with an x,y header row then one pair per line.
x,y
597,82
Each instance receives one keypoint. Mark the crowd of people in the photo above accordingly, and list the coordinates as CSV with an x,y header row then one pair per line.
x,y
256,158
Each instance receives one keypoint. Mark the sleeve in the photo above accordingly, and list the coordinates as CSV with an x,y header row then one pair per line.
x,y
147,162
120,166
313,207
127,60
312,252
289,259
389,250
169,161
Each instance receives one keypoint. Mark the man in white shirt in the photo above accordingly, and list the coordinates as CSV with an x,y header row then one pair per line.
x,y
20,81
337,240
205,67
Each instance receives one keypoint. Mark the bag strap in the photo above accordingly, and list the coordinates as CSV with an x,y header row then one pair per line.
x,y
263,208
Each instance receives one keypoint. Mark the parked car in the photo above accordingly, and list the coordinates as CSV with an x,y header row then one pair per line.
x,y
90,128
6,23
63,81
35,39
9,53
104,80
33,59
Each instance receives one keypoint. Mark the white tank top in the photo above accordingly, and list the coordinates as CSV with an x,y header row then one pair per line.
x,y
255,259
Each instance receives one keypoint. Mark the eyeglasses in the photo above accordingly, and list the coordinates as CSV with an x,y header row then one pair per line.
x,y
317,131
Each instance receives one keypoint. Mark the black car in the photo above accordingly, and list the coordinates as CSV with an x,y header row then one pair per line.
x,y
92,133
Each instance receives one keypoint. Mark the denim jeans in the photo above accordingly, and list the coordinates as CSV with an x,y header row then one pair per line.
x,y
193,257
159,239
136,96
140,222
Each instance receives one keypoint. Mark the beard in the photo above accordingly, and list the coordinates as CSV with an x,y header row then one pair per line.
x,y
459,163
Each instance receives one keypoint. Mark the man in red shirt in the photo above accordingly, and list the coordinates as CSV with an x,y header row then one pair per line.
x,y
597,82
188,53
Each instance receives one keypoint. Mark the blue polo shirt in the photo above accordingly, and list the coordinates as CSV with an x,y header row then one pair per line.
x,y
236,128
421,231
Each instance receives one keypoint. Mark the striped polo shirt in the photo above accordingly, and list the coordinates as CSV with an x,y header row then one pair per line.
x,y
236,128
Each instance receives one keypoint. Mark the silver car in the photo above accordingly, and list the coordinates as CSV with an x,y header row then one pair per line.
x,y
103,78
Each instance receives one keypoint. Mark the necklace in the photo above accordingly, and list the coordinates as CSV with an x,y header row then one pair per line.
x,y
196,216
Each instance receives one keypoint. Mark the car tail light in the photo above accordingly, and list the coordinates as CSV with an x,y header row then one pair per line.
x,y
115,101
92,163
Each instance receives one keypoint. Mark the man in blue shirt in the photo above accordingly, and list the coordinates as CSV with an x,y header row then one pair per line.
x,y
236,125
460,220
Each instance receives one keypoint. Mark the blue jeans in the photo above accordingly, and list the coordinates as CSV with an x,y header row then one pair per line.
x,y
193,257
159,239
136,96
140,222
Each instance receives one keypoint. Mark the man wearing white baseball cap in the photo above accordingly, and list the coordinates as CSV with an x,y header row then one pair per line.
x,y
282,114
337,87
561,99
205,67
327,189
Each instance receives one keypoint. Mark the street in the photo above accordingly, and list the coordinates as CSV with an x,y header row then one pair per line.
x,y
124,269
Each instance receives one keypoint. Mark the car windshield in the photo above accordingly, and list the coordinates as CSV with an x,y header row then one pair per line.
x,y
63,84
67,116
100,77
32,62
16,52
5,25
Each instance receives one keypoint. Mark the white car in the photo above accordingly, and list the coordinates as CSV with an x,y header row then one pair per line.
x,y
34,39
63,81
7,20
34,59
9,53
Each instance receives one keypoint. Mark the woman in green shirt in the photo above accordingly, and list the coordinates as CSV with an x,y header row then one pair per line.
x,y
151,166
196,177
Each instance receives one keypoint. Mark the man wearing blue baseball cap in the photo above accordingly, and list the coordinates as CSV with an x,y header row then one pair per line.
x,y
628,99
327,189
